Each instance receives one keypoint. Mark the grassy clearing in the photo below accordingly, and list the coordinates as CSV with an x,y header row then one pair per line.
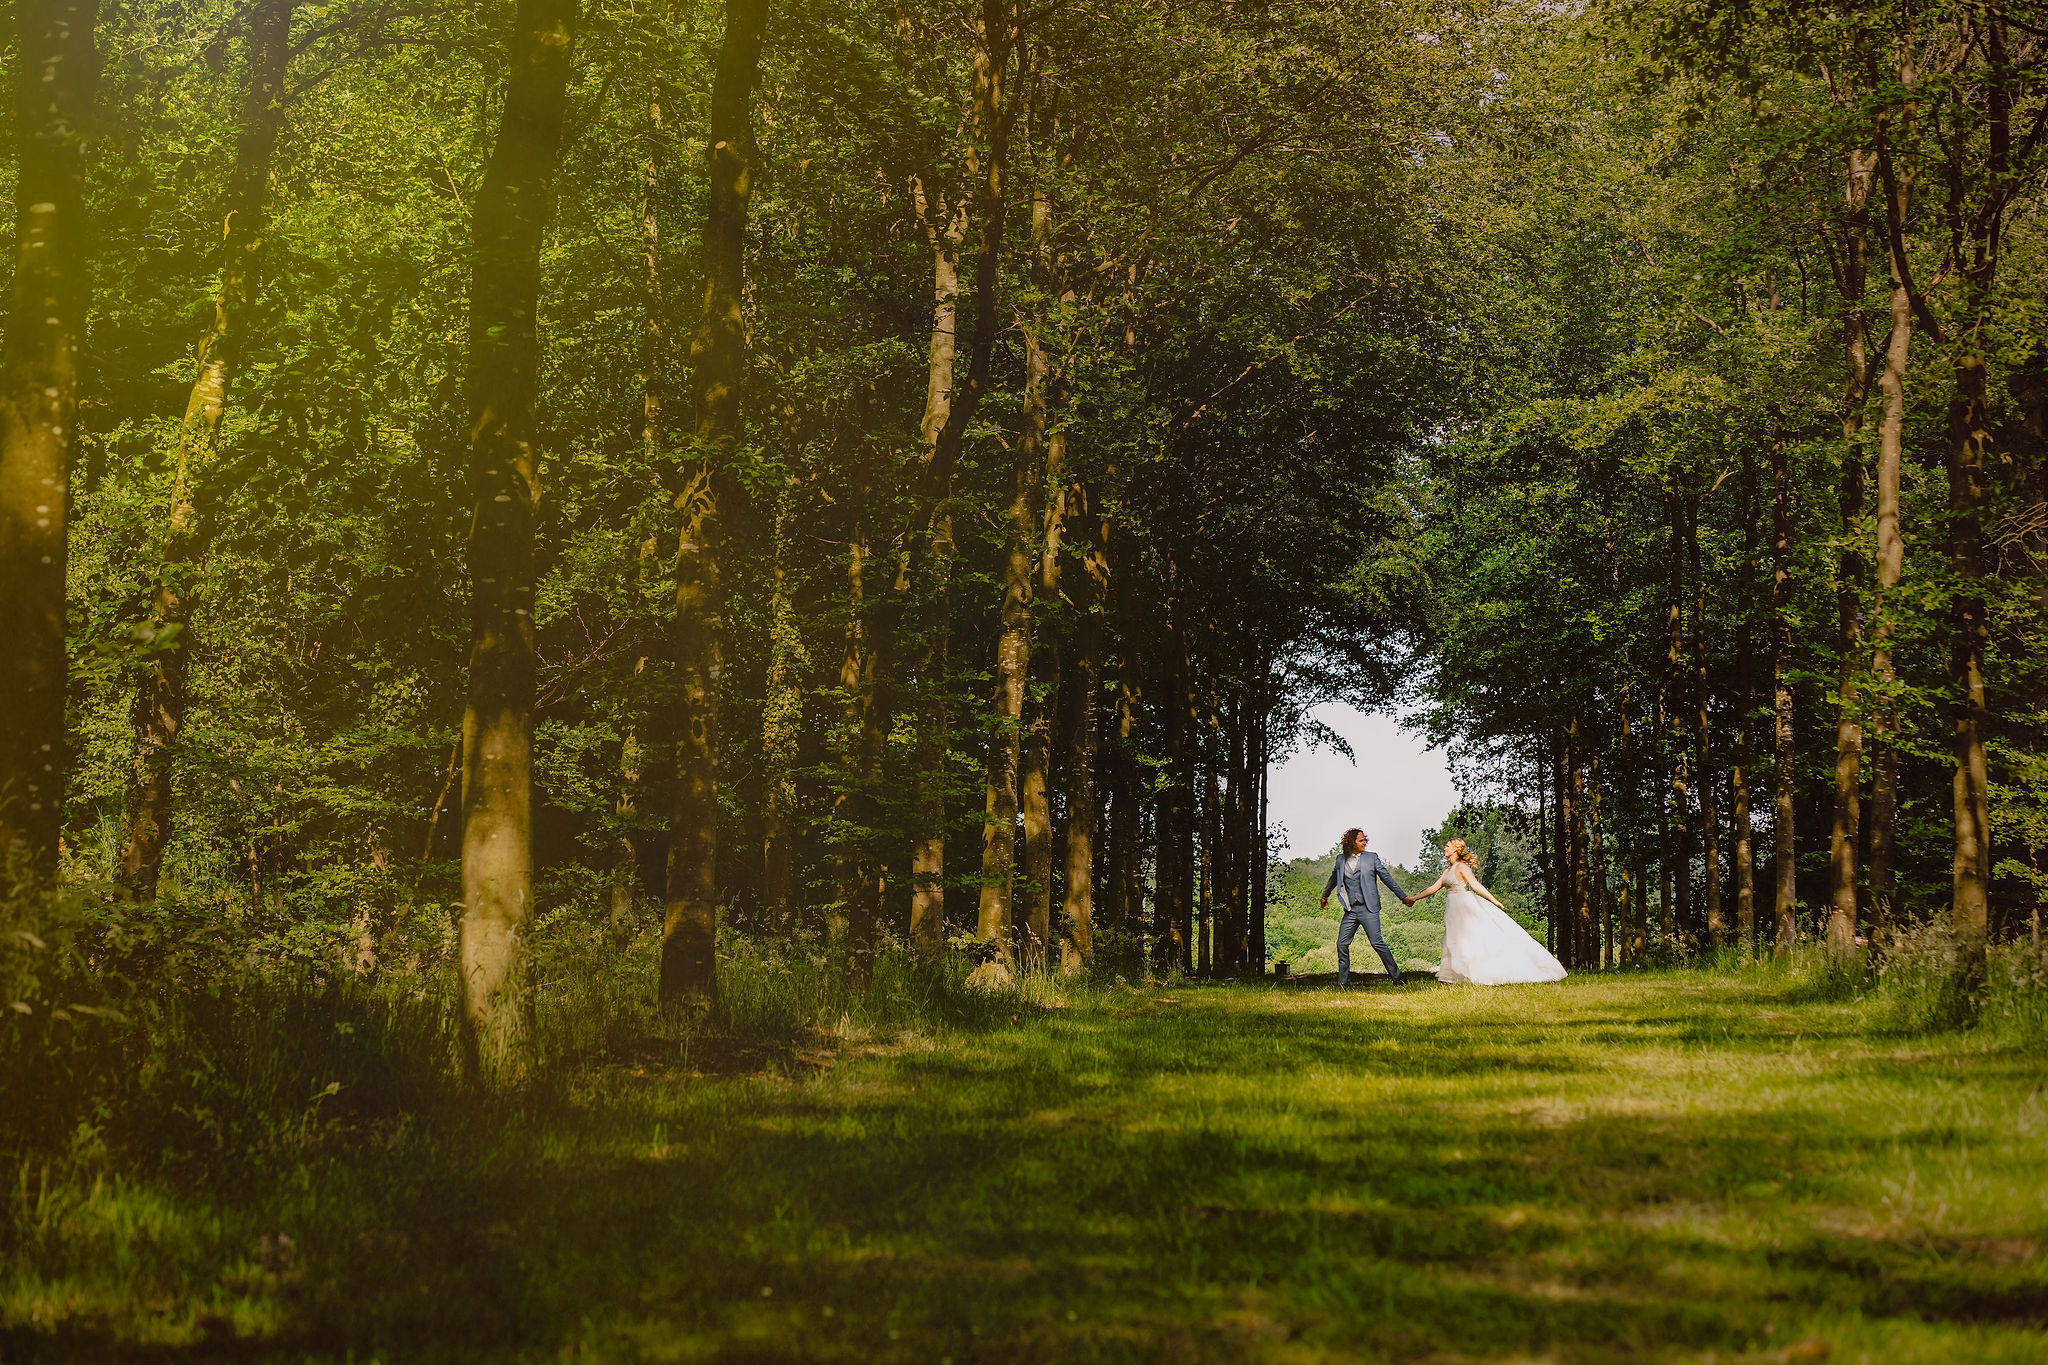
x,y
1681,1166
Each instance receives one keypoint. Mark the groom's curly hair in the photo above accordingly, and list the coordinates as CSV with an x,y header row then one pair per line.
x,y
1345,842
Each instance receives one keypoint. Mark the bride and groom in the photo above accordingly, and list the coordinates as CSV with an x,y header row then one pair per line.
x,y
1482,946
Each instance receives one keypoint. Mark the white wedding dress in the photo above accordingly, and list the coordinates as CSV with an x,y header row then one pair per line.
x,y
1484,947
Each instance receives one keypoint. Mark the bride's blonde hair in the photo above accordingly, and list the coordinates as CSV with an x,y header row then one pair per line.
x,y
1461,854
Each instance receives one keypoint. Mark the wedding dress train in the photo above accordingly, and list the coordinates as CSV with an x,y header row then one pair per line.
x,y
1484,947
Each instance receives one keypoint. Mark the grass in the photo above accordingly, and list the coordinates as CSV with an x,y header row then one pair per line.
x,y
1680,1166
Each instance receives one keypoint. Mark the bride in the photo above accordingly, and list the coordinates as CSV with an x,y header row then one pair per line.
x,y
1482,945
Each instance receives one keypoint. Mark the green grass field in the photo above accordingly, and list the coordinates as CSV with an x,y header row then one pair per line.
x,y
1678,1167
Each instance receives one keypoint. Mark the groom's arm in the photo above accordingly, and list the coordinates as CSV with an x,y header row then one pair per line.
x,y
1336,870
1388,878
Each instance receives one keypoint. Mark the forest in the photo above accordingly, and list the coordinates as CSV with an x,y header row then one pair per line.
x,y
616,605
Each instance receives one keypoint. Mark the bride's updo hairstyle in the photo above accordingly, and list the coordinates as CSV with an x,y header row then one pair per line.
x,y
1461,854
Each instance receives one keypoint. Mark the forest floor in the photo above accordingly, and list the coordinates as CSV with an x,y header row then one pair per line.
x,y
1665,1167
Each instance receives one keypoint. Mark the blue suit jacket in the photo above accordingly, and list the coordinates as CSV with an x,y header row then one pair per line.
x,y
1371,871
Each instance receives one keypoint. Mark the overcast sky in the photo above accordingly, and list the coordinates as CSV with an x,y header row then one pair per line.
x,y
1396,790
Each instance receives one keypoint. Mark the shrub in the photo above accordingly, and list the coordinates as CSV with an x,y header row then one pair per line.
x,y
2016,991
1928,976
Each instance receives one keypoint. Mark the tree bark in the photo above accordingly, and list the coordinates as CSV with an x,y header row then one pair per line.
x,y
1891,546
1013,655
1745,667
945,230
1844,832
511,212
56,71
1083,683
781,726
848,922
1205,958
1680,799
1710,841
718,362
160,701
1785,898
1037,777
925,545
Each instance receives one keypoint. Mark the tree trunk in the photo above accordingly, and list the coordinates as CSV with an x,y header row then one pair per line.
x,y
1969,435
653,434
781,725
1844,831
1745,667
1260,768
850,807
512,210
945,230
1083,682
56,70
1205,955
160,701
718,363
1037,777
1012,657
1710,841
1681,777
924,548
1891,545
1785,900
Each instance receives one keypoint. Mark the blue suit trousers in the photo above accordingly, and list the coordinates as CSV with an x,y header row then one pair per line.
x,y
1368,919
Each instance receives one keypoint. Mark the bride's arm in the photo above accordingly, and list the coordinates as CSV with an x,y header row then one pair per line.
x,y
1480,887
1433,888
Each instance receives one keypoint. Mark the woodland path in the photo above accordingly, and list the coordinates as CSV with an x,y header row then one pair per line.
x,y
1667,1167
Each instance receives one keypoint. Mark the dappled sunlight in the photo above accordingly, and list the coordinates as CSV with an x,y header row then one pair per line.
x,y
1598,1169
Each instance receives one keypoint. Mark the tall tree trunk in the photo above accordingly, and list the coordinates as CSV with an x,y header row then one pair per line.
x,y
1205,953
1745,668
1013,653
1710,841
1785,863
945,230
1584,946
1844,831
512,210
160,701
781,725
1891,546
653,439
718,364
925,547
1037,777
1262,762
1680,799
1170,866
56,72
851,806
1969,436
1083,682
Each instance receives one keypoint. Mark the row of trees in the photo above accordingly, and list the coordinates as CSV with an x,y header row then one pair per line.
x,y
1771,506
929,510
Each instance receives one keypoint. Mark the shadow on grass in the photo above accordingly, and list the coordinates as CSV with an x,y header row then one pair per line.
x,y
1202,1180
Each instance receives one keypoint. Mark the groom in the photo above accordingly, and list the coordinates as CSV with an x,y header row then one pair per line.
x,y
1353,878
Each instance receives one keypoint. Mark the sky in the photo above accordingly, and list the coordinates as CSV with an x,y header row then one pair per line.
x,y
1397,790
